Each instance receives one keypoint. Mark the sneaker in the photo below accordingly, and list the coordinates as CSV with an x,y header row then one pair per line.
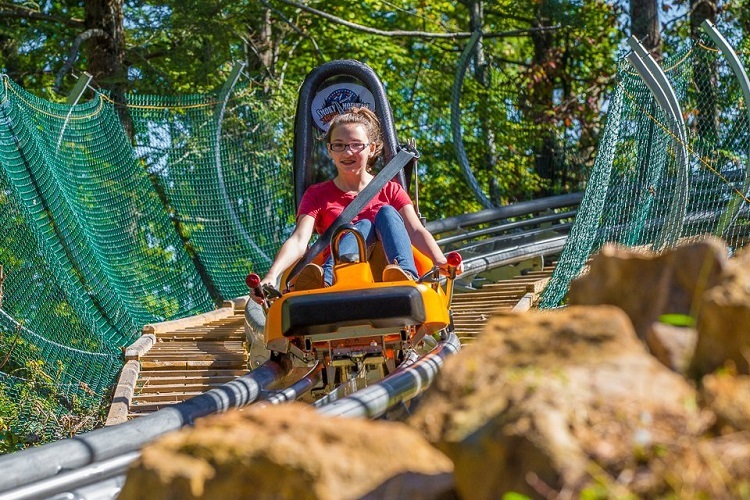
x,y
310,278
393,272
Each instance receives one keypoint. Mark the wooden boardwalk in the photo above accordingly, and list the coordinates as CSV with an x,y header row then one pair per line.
x,y
471,309
177,360
189,361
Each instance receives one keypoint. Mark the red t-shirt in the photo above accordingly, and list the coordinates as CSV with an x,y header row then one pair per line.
x,y
325,202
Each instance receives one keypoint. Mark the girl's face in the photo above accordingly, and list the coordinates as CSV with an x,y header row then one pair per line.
x,y
355,148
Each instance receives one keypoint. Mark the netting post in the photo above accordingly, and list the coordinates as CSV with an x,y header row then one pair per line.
x,y
2,278
665,96
80,87
735,64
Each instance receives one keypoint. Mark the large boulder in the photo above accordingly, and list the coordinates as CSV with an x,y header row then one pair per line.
x,y
723,333
290,451
647,285
552,402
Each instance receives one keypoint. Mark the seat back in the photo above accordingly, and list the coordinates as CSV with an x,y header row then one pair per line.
x,y
328,90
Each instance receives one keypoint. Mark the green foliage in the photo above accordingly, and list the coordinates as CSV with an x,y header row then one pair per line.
x,y
176,47
37,408
677,320
511,495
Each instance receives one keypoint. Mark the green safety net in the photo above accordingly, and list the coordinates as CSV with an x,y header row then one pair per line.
x,y
101,234
652,187
219,169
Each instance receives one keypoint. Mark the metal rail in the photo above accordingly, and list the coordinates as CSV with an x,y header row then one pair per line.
x,y
460,223
36,464
401,386
508,235
656,81
105,475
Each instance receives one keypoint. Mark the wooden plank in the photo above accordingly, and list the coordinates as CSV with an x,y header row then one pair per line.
x,y
172,398
168,381
188,350
140,346
171,364
199,320
525,303
118,411
200,344
201,355
187,386
192,373
145,409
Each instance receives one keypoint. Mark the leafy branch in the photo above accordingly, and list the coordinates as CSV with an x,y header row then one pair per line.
x,y
409,33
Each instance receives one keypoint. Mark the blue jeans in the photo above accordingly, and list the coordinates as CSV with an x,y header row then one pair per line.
x,y
390,230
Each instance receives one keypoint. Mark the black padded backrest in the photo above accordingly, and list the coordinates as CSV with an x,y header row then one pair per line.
x,y
304,126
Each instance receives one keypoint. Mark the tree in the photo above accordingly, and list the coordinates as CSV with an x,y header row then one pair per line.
x,y
705,72
105,44
644,24
172,46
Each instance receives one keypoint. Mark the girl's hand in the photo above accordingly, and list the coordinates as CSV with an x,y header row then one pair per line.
x,y
453,263
253,282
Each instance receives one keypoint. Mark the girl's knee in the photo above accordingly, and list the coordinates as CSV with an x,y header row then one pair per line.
x,y
386,212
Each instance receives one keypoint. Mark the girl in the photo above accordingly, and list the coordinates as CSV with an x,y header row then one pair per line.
x,y
354,143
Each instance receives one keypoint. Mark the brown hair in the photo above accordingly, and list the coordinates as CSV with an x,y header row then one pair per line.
x,y
370,122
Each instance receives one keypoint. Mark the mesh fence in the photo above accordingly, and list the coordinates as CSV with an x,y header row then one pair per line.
x,y
217,166
101,235
640,192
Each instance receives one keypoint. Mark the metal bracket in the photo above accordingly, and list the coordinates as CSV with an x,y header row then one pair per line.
x,y
80,87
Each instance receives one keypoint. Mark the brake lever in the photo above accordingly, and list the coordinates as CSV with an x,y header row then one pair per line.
x,y
253,283
431,276
271,292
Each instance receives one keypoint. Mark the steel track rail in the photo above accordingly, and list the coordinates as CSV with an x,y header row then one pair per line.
x,y
104,477
401,386
37,464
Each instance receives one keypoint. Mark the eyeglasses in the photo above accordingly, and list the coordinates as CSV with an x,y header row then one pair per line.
x,y
354,147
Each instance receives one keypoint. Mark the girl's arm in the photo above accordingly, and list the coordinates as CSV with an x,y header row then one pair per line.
x,y
421,237
292,250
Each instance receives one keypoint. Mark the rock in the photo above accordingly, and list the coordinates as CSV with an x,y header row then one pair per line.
x,y
553,402
688,468
289,451
647,285
728,396
723,333
672,345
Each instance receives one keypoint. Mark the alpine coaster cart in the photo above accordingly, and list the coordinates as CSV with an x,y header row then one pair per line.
x,y
359,329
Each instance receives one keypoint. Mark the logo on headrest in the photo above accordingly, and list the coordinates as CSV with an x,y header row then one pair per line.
x,y
337,99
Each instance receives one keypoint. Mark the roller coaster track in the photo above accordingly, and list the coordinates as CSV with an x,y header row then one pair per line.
x,y
182,370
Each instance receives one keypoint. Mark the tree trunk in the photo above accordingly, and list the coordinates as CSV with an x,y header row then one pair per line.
x,y
705,73
546,163
262,63
9,54
644,22
105,53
